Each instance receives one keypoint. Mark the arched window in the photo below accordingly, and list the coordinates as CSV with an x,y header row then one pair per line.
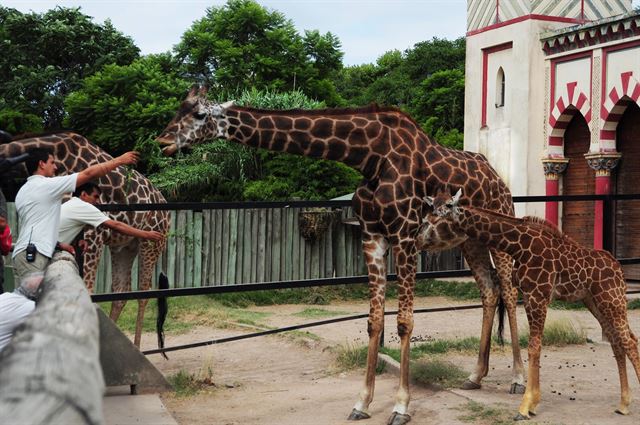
x,y
500,88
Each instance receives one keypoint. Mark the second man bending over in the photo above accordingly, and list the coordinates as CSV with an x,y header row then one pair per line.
x,y
80,211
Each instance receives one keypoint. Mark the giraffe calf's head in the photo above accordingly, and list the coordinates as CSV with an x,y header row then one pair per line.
x,y
438,230
197,120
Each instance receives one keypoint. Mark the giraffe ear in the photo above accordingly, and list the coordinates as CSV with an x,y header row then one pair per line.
x,y
203,91
227,105
456,197
193,91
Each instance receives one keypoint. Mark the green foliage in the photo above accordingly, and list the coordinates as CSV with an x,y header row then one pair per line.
x,y
16,122
558,333
427,81
319,313
350,357
634,305
213,172
477,413
125,104
289,176
244,45
439,372
45,57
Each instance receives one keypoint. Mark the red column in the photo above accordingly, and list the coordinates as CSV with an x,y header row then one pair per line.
x,y
602,163
551,208
603,187
553,167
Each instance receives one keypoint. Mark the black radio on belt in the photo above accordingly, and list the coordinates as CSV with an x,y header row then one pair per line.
x,y
31,253
31,249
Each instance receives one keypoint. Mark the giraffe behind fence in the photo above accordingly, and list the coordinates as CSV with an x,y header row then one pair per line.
x,y
548,265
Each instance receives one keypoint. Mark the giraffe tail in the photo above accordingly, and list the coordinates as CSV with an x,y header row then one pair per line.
x,y
163,309
502,307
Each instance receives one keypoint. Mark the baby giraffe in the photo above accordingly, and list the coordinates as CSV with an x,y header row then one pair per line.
x,y
548,265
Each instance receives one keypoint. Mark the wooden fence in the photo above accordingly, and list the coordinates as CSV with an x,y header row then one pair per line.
x,y
233,246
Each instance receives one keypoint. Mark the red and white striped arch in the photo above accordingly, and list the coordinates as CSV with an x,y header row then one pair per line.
x,y
569,102
621,95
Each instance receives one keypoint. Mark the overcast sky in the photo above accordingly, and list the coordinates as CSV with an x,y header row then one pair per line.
x,y
366,28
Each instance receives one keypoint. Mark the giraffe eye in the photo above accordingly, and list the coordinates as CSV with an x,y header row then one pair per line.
x,y
199,115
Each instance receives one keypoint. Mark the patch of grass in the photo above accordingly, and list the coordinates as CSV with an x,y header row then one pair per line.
x,y
634,304
478,413
304,335
437,371
184,384
350,357
567,305
319,313
440,346
325,295
186,313
558,333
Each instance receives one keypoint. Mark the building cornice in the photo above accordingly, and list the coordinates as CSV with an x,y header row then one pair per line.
x,y
593,33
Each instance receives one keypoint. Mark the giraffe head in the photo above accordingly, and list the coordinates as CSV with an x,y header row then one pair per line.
x,y
438,231
444,205
197,120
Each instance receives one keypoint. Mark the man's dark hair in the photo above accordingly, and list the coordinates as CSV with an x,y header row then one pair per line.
x,y
88,188
35,156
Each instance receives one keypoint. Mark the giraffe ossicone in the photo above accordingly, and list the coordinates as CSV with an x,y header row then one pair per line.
x,y
400,166
549,265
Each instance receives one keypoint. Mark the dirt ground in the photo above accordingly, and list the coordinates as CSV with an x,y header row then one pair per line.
x,y
292,380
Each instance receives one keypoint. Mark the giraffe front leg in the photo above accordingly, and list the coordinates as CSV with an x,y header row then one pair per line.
x,y
375,251
509,295
405,257
536,314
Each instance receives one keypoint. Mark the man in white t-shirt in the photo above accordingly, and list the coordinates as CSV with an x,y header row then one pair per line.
x,y
16,306
38,207
80,211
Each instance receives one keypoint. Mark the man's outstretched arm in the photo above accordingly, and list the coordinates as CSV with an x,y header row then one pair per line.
x,y
98,170
125,229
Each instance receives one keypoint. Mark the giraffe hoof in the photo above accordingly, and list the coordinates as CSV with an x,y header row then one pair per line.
x,y
622,411
398,419
517,388
521,417
356,415
470,385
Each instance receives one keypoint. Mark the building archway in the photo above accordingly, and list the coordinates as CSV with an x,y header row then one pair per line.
x,y
578,179
627,219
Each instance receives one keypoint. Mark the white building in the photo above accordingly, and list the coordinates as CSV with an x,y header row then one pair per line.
x,y
551,99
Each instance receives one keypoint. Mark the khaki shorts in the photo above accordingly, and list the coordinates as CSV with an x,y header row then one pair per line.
x,y
21,267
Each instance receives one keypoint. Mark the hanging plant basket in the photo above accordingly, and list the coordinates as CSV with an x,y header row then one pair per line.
x,y
315,222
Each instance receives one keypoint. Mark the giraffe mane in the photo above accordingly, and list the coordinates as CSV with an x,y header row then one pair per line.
x,y
22,136
529,220
372,108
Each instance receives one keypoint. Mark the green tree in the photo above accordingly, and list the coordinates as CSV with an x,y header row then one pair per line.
x,y
440,97
121,105
46,56
242,45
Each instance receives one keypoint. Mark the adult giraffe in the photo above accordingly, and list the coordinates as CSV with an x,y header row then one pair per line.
x,y
400,166
548,265
75,153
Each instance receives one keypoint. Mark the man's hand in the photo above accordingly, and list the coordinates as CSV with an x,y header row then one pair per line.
x,y
152,235
66,247
129,158
3,223
82,245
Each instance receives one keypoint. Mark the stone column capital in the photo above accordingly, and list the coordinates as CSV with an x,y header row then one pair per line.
x,y
553,167
603,162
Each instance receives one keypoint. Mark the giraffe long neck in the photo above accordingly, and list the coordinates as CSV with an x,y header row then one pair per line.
x,y
359,138
494,229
